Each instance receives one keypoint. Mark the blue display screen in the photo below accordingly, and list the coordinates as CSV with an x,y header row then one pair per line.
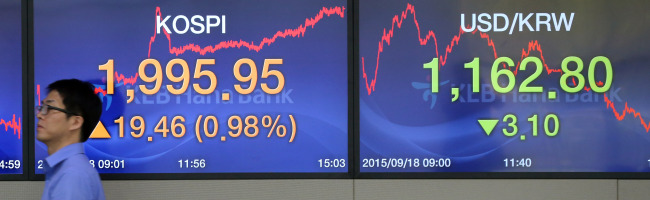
x,y
11,107
504,86
206,86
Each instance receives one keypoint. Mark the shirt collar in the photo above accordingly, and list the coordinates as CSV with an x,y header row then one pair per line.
x,y
64,153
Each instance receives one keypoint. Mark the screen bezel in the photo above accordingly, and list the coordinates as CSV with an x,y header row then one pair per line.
x,y
353,138
25,109
458,175
29,95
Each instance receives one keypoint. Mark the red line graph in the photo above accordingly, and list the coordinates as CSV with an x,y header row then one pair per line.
x,y
38,93
13,124
297,32
599,83
626,110
532,46
100,90
131,80
410,9
118,77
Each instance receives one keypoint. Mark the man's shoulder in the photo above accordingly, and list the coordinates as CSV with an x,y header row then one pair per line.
x,y
77,164
78,184
77,171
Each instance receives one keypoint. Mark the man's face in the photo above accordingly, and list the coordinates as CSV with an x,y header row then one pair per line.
x,y
54,125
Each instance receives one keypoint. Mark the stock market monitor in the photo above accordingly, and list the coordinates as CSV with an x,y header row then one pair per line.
x,y
504,86
204,86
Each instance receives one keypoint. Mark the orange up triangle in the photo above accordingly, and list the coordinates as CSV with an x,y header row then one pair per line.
x,y
100,132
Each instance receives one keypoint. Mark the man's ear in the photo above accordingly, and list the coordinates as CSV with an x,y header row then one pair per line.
x,y
75,122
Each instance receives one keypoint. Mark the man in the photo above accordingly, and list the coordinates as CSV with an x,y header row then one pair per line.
x,y
66,118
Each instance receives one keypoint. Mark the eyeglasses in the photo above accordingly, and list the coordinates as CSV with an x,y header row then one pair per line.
x,y
44,109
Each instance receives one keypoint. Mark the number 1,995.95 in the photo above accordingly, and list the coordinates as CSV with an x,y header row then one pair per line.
x,y
249,82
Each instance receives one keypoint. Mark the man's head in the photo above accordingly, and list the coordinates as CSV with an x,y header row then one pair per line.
x,y
70,111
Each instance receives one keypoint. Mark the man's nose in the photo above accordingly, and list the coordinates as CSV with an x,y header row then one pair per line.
x,y
39,115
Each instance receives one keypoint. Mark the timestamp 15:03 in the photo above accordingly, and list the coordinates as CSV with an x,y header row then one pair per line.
x,y
332,163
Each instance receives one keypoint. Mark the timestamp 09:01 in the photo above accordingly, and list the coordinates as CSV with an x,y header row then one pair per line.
x,y
406,163
98,164
107,164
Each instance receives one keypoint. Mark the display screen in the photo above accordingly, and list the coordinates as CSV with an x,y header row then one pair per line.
x,y
504,86
11,107
203,86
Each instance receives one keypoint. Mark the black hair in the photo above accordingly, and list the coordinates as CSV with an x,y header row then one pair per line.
x,y
79,97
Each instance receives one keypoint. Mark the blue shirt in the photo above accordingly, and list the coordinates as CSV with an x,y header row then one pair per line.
x,y
69,175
